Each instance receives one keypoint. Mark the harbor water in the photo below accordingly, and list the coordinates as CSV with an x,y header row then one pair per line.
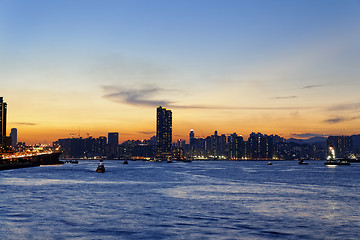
x,y
196,200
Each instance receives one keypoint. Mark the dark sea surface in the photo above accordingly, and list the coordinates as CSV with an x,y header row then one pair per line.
x,y
197,200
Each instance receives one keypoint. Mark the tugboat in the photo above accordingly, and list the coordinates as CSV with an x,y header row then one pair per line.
x,y
100,168
332,161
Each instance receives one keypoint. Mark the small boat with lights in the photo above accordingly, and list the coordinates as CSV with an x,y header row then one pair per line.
x,y
269,163
100,168
332,161
302,162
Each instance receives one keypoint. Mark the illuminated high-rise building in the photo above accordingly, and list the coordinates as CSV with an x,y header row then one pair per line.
x,y
163,131
191,135
3,110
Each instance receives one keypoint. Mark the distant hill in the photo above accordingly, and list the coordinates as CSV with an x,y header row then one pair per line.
x,y
295,140
322,140
316,140
312,140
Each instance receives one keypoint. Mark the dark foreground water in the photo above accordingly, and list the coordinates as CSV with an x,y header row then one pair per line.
x,y
198,200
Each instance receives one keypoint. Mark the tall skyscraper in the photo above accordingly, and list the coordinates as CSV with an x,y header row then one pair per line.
x,y
3,110
113,143
163,131
13,136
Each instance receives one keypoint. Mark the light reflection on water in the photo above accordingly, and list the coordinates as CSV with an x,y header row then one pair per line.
x,y
198,200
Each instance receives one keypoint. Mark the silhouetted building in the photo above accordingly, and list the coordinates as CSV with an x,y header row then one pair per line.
x,y
90,148
180,144
342,145
191,136
101,146
113,143
259,147
3,111
163,132
356,143
137,150
236,147
13,136
83,147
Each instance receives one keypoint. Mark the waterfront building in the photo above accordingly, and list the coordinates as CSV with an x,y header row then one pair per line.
x,y
13,136
236,147
101,146
259,147
113,144
192,141
83,147
222,146
137,150
3,112
163,132
341,144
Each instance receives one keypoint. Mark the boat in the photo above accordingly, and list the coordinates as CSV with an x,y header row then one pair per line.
x,y
336,162
333,161
100,168
72,161
353,159
125,162
301,162
269,163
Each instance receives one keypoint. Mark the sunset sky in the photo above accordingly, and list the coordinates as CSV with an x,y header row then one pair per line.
x,y
281,67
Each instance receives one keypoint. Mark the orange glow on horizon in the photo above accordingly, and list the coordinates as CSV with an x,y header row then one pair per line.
x,y
144,127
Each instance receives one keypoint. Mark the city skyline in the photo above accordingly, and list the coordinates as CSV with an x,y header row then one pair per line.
x,y
275,67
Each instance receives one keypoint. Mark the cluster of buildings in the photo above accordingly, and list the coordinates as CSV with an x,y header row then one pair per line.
x,y
217,146
257,147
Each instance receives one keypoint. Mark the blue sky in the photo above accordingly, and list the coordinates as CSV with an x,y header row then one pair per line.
x,y
247,58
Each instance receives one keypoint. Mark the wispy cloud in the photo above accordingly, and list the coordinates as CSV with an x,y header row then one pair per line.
x,y
345,107
307,135
237,108
146,133
313,86
141,97
340,119
285,97
149,96
25,123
